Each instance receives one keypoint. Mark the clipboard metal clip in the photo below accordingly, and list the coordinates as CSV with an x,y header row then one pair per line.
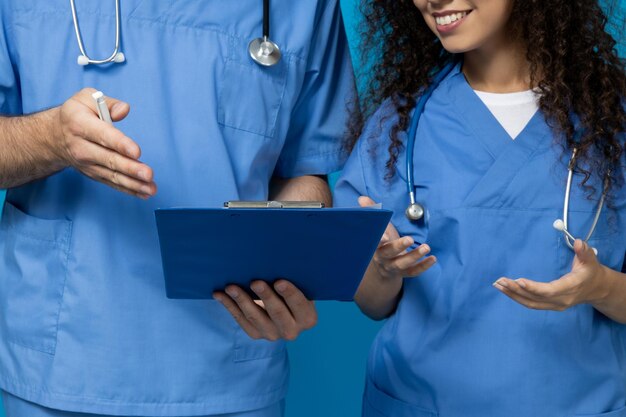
x,y
275,204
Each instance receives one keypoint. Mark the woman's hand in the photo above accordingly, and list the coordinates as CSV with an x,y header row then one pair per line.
x,y
381,286
584,284
391,260
282,312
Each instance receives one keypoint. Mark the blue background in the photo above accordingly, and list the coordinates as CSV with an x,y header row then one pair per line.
x,y
328,362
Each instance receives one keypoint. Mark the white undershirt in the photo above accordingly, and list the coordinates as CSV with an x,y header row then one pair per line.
x,y
512,110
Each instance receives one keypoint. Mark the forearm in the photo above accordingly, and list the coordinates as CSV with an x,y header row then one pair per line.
x,y
305,188
613,300
378,296
26,148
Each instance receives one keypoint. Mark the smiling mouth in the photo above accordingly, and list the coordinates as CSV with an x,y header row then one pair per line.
x,y
450,18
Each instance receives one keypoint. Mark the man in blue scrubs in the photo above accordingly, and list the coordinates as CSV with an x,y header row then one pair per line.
x,y
85,326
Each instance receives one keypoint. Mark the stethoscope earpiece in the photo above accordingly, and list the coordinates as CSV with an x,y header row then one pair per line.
x,y
82,60
119,58
559,225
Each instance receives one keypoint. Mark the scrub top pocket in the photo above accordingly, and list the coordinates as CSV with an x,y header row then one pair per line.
x,y
31,289
250,95
377,403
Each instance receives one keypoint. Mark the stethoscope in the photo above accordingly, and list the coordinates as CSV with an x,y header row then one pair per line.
x,y
262,50
416,211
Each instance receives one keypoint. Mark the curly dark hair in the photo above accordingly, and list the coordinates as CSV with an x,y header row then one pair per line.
x,y
573,61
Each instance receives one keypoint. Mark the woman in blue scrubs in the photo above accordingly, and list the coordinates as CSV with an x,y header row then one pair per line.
x,y
503,319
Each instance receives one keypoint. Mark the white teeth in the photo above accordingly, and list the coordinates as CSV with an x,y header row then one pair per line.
x,y
450,18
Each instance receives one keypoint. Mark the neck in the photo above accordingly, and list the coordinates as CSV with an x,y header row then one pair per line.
x,y
498,68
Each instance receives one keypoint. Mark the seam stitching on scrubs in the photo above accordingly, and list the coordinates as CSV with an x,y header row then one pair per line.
x,y
32,237
23,345
461,112
68,238
314,156
360,155
531,154
40,13
39,389
145,20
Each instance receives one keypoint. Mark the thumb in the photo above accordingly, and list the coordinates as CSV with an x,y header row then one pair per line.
x,y
118,109
365,201
584,252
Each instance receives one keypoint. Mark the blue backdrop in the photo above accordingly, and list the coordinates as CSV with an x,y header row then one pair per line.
x,y
328,362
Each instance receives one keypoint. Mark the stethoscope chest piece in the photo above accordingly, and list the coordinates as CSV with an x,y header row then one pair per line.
x,y
264,52
415,212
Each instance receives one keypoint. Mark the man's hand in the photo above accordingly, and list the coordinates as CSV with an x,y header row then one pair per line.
x,y
282,312
99,150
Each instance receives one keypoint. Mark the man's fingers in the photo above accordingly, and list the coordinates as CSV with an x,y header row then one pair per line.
x,y
87,153
237,314
118,179
105,135
303,309
277,310
365,201
253,313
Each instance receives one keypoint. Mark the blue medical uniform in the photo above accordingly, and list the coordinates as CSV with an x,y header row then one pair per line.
x,y
456,346
85,325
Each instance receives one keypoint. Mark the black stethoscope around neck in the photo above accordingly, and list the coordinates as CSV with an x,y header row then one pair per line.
x,y
262,50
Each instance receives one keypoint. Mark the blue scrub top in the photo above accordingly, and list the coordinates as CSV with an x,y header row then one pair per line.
x,y
85,324
457,347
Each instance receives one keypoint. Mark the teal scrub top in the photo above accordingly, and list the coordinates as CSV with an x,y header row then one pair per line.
x,y
455,346
84,322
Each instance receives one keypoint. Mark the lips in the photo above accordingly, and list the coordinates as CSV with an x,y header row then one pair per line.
x,y
448,21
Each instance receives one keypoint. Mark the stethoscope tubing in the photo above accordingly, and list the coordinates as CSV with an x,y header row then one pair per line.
x,y
265,60
568,187
79,37
417,114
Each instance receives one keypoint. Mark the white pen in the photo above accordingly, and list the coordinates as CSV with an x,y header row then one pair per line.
x,y
101,104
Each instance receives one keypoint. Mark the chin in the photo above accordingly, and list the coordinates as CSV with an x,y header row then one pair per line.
x,y
457,46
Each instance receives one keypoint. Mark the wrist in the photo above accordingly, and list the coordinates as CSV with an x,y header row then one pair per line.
x,y
604,286
52,137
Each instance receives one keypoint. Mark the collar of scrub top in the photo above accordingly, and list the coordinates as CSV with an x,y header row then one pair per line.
x,y
416,211
262,50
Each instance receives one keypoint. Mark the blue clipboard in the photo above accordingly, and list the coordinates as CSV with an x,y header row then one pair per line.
x,y
324,252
